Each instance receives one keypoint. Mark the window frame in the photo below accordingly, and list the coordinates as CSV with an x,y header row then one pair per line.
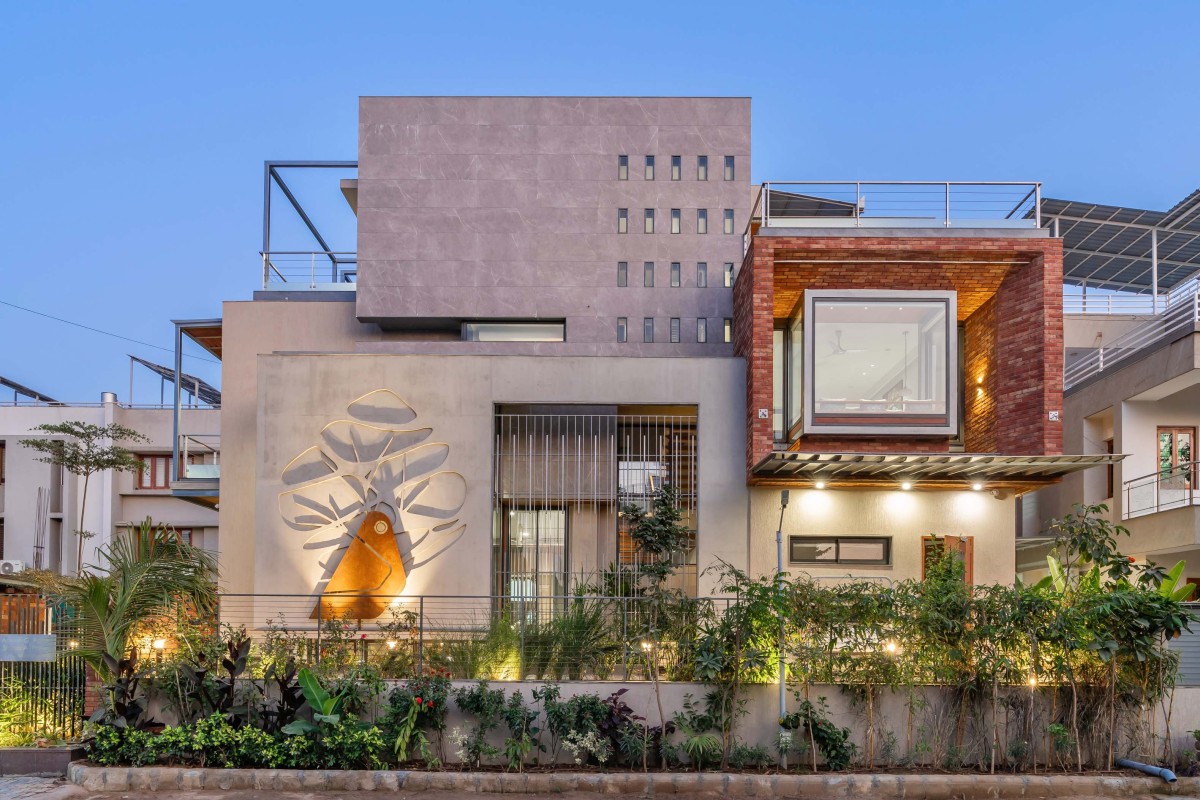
x,y
648,275
676,168
728,274
622,167
728,221
702,220
899,426
622,329
622,274
648,330
676,274
728,329
702,330
648,220
649,171
676,220
701,168
675,330
701,274
729,169
622,220
837,559
149,461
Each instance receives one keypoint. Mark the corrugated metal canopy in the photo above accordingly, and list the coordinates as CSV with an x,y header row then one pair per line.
x,y
933,470
1109,247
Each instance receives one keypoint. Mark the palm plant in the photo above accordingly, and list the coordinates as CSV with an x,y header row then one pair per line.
x,y
139,577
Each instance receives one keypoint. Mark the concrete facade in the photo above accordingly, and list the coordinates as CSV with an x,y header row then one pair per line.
x,y
114,501
506,209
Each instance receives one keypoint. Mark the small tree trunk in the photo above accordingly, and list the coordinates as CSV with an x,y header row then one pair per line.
x,y
79,532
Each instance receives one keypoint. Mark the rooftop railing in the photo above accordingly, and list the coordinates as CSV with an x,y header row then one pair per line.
x,y
1179,316
1161,491
1127,303
897,204
327,270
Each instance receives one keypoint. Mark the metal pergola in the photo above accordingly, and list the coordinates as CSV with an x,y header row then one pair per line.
x,y
1126,249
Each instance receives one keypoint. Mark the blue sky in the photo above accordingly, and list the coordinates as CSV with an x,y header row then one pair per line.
x,y
133,134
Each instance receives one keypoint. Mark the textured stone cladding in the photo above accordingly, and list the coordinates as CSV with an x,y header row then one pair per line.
x,y
507,208
1009,303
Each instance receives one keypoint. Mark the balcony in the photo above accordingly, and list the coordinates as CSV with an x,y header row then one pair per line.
x,y
323,270
309,226
895,204
1160,491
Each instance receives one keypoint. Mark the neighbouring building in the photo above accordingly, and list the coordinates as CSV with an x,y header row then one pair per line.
x,y
556,306
40,503
1132,380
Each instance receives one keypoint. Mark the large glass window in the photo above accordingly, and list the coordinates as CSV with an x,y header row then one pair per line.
x,y
513,331
880,361
840,550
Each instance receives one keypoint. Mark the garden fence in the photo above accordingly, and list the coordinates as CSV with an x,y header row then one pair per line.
x,y
40,698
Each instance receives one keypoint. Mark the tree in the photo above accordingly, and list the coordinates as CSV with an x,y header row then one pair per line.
x,y
85,449
141,577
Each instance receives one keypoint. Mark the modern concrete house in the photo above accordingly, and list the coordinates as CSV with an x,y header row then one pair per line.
x,y
40,503
1132,381
556,306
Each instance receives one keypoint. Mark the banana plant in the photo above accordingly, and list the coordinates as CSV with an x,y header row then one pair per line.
x,y
326,708
1171,586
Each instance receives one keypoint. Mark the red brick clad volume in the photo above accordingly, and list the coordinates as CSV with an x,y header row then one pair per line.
x,y
1009,303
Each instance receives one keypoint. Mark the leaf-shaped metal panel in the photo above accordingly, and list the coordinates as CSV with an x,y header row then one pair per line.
x,y
359,443
382,407
311,465
393,472
317,505
441,496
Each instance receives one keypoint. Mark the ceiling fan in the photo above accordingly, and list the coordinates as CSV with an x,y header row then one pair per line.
x,y
839,350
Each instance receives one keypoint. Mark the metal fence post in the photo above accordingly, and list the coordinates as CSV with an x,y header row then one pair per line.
x,y
319,610
625,635
421,635
947,205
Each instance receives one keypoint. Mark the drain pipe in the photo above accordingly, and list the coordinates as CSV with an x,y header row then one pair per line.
x,y
783,504
1158,772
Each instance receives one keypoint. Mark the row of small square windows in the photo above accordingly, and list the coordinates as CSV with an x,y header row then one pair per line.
x,y
676,168
676,274
676,220
648,330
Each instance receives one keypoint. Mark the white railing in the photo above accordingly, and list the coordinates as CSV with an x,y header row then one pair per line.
x,y
1179,317
1128,303
327,270
1161,491
200,456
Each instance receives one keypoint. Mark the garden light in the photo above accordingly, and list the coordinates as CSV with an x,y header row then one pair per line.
x,y
391,644
892,647
160,644
1033,680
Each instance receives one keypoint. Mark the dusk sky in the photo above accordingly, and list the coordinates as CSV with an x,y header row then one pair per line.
x,y
133,134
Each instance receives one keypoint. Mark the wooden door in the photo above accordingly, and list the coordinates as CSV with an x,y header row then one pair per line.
x,y
1176,453
963,546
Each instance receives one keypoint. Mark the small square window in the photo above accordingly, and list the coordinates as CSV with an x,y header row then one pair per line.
x,y
675,274
622,329
649,168
676,219
702,275
674,330
622,168
648,273
701,168
622,220
648,329
649,225
729,220
622,273
702,330
728,168
728,330
728,274
676,167
701,220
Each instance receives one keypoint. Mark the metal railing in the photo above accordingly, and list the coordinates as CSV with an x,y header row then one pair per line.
x,y
328,270
41,699
578,637
200,456
1129,303
897,204
1180,316
1160,491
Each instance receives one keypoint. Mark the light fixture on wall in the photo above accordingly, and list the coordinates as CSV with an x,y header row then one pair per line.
x,y
819,484
977,486
906,485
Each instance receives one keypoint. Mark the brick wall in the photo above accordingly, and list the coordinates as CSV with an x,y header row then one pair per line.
x,y
1009,299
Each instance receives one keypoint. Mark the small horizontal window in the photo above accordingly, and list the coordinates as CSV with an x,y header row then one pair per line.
x,y
514,331
875,550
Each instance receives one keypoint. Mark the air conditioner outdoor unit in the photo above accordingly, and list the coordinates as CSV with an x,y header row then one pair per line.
x,y
11,567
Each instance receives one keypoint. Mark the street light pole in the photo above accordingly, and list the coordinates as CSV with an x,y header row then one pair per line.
x,y
783,504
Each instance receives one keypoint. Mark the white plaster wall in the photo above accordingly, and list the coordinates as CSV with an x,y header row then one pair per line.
x,y
456,395
906,516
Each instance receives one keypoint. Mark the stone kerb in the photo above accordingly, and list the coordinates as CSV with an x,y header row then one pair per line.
x,y
714,784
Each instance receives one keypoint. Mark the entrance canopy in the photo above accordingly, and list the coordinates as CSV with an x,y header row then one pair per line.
x,y
921,470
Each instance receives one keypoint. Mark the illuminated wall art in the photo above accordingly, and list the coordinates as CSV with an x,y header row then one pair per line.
x,y
375,503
